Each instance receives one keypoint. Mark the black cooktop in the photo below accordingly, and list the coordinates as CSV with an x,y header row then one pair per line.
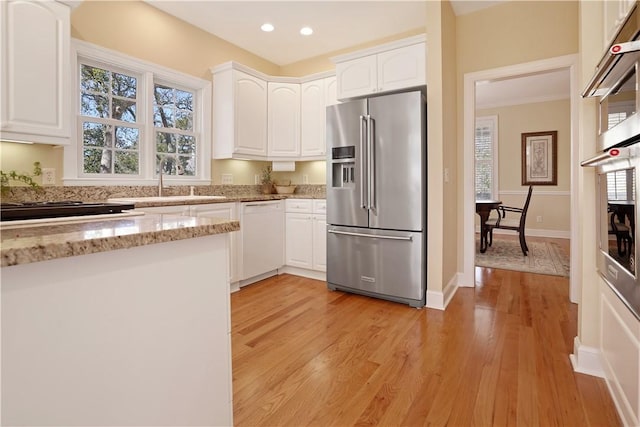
x,y
38,210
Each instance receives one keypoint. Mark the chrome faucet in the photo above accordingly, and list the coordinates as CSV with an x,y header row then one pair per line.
x,y
163,162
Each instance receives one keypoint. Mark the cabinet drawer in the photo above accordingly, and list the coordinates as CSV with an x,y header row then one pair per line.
x,y
298,205
320,207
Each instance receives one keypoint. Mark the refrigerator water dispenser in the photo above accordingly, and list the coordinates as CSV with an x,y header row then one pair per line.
x,y
343,166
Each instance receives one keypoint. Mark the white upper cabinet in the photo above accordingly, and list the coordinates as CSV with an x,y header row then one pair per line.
x,y
36,72
400,68
385,68
331,91
283,120
239,114
313,118
357,77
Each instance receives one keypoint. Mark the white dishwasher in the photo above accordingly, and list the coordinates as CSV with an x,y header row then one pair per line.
x,y
262,240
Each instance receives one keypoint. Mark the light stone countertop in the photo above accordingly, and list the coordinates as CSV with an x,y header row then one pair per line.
x,y
23,245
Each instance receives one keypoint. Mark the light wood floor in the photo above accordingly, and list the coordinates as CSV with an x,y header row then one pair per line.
x,y
499,355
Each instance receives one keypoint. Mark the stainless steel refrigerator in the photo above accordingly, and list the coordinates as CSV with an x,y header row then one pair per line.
x,y
376,197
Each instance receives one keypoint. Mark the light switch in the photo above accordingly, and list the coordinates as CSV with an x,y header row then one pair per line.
x,y
227,179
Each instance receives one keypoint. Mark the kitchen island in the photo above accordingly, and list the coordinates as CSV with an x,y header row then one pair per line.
x,y
116,322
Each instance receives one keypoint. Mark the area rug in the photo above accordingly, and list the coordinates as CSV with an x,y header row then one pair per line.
x,y
543,258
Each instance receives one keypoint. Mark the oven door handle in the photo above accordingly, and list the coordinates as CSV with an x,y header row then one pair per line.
x,y
611,155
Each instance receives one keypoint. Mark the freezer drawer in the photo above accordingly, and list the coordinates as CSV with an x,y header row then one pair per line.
x,y
379,263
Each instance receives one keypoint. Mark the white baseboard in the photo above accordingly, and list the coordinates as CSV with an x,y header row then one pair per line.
x,y
586,360
535,232
257,278
234,287
309,274
439,300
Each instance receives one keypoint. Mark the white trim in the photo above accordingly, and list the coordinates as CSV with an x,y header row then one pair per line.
x,y
468,198
148,73
440,300
420,38
523,101
536,192
586,360
303,272
495,148
535,232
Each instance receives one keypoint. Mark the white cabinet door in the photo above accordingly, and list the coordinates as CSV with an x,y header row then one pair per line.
x,y
331,91
283,120
313,119
36,68
401,68
250,114
299,240
320,242
357,77
239,115
226,211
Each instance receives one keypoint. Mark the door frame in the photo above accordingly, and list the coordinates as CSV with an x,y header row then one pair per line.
x,y
569,62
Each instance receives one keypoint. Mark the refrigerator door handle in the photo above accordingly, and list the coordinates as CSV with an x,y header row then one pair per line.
x,y
372,236
363,124
371,151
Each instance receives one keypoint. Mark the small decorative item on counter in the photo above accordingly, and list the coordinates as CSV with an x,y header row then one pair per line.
x,y
267,182
285,187
7,177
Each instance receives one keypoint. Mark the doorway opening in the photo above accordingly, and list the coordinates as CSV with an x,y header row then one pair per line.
x,y
506,76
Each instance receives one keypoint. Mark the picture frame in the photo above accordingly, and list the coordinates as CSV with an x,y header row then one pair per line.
x,y
540,158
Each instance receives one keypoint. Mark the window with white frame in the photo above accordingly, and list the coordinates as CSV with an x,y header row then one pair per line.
x,y
486,158
134,117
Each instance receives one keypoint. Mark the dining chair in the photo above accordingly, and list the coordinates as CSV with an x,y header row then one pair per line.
x,y
620,230
515,221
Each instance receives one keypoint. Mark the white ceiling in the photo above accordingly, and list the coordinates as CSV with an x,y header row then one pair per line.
x,y
340,25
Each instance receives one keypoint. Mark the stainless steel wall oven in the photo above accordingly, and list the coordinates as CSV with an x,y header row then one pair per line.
x,y
615,83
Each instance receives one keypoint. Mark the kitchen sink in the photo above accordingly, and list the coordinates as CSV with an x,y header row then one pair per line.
x,y
163,199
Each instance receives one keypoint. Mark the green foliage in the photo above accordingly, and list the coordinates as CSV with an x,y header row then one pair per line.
x,y
266,175
6,178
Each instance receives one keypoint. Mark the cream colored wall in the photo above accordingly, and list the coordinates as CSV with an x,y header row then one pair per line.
x,y
516,32
142,31
244,171
20,158
512,122
324,63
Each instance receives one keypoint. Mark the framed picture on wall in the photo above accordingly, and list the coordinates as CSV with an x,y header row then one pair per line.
x,y
540,158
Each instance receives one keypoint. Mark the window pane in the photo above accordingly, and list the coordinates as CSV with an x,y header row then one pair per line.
x,y
92,160
98,160
169,167
94,106
95,134
184,100
484,158
186,144
124,110
127,138
124,86
126,162
163,95
186,165
165,142
184,120
94,79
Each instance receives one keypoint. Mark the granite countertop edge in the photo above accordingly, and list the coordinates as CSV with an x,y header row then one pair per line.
x,y
228,199
35,244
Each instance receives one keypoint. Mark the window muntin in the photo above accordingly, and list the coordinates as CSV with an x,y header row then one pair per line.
x,y
108,112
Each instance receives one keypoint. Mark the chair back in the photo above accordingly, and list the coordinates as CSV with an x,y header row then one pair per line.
x,y
525,208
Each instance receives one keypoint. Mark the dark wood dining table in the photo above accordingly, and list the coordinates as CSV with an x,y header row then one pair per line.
x,y
483,209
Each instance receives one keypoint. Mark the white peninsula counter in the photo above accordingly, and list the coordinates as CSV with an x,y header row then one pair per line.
x,y
116,322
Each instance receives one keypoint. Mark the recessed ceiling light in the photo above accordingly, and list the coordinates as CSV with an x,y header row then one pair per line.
x,y
266,27
306,31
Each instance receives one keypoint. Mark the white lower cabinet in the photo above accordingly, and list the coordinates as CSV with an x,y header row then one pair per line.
x,y
306,240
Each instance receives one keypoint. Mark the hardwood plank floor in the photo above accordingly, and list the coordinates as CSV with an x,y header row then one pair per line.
x,y
498,356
